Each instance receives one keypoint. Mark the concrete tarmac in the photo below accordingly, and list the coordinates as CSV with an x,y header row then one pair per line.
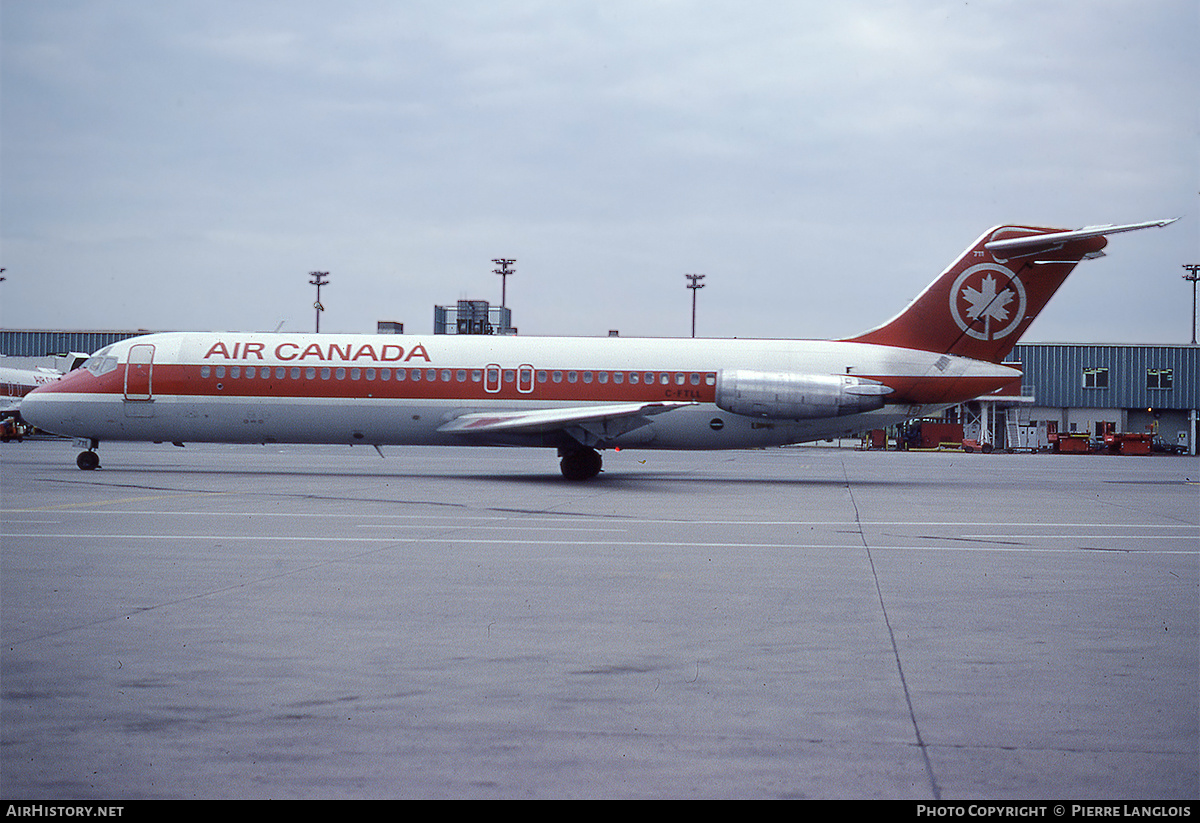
x,y
307,622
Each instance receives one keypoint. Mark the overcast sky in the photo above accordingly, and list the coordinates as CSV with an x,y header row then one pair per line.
x,y
184,165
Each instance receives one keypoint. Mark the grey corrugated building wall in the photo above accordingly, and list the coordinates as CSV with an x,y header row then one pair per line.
x,y
1118,376
41,342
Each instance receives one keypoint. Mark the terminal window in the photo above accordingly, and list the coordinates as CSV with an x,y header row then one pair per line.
x,y
1095,378
1159,378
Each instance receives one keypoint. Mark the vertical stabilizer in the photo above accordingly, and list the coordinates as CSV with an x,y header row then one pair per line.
x,y
982,304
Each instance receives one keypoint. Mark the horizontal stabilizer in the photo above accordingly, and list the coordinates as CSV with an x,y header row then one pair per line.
x,y
1034,243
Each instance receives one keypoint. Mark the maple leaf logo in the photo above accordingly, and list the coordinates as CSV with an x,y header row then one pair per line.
x,y
1000,308
986,303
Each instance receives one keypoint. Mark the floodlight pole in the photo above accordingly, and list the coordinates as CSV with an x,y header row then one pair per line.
x,y
504,271
694,285
318,281
1193,276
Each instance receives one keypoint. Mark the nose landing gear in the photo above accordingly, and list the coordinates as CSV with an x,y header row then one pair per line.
x,y
88,460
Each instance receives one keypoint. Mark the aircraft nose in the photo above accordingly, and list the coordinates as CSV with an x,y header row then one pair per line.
x,y
35,410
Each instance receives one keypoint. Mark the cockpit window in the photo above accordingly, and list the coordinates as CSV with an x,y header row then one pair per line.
x,y
101,362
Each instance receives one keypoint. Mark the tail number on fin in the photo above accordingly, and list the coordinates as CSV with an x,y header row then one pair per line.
x,y
991,297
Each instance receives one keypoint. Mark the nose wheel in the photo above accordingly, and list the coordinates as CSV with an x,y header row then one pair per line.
x,y
88,460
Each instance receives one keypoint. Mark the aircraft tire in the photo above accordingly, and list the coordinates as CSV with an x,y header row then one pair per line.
x,y
581,465
88,460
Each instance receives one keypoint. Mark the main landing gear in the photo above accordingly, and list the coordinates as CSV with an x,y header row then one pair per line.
x,y
88,460
580,464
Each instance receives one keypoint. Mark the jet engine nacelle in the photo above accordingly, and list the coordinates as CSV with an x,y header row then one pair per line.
x,y
791,396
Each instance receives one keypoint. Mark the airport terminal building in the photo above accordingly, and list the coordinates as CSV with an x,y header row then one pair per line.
x,y
1092,389
1071,388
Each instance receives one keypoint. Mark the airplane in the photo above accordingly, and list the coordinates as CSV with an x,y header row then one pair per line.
x,y
577,395
16,382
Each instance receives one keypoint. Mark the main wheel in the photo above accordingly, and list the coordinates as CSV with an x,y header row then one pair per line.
x,y
581,465
88,460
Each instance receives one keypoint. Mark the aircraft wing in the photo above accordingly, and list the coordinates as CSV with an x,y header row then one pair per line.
x,y
588,424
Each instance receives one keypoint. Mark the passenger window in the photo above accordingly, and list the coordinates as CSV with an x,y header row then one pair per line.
x,y
340,374
602,377
205,371
572,376
633,377
461,375
280,371
587,377
618,377
370,374
695,379
557,377
295,372
310,373
476,375
385,374
431,374
356,374
445,375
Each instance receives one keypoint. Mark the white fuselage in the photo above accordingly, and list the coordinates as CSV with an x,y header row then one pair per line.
x,y
403,389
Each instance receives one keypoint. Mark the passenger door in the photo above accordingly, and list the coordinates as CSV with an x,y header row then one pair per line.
x,y
139,381
139,373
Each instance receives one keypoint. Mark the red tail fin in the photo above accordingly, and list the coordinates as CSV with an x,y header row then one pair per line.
x,y
982,304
